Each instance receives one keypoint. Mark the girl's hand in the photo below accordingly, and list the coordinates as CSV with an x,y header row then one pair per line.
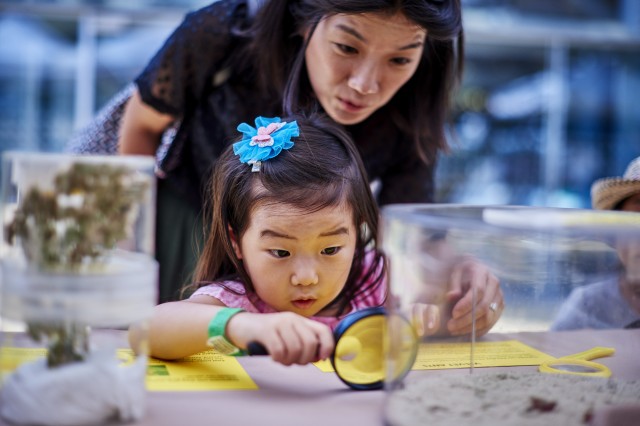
x,y
466,276
289,338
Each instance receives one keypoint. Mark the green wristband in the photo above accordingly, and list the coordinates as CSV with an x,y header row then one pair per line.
x,y
217,339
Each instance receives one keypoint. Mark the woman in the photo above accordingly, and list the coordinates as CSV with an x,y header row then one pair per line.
x,y
382,68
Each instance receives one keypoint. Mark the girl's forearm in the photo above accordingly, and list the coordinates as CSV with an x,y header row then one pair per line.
x,y
177,329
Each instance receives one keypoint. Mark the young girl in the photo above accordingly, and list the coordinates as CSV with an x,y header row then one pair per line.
x,y
292,247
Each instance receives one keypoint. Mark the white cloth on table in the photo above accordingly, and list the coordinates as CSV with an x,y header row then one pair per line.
x,y
97,389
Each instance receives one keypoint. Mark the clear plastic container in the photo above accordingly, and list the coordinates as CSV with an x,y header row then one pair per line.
x,y
77,271
569,282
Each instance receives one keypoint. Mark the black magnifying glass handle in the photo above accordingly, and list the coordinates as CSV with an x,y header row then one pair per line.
x,y
256,348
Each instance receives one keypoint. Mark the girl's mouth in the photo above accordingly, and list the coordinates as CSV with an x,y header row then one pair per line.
x,y
303,304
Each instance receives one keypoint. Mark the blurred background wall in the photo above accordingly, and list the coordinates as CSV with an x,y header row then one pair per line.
x,y
547,104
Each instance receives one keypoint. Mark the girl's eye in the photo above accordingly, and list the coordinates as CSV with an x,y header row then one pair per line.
x,y
345,48
330,251
279,253
401,61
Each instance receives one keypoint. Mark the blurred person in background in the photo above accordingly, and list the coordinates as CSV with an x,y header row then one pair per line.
x,y
613,303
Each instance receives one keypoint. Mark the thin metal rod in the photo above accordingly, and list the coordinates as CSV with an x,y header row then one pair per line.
x,y
473,327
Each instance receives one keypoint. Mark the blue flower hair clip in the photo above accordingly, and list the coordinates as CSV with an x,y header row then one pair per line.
x,y
265,141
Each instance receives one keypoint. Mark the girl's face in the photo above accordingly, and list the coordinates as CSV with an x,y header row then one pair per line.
x,y
298,261
357,63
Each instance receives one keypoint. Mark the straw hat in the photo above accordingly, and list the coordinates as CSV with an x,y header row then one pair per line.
x,y
606,193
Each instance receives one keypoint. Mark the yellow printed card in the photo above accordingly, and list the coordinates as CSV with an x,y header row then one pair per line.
x,y
205,371
436,356
508,353
11,358
208,370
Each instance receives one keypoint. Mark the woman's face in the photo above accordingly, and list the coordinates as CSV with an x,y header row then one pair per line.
x,y
357,63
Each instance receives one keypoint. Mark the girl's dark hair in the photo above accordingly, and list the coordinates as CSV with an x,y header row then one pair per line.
x,y
419,109
322,169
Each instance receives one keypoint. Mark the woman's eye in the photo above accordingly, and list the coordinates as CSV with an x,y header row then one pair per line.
x,y
279,253
345,48
331,251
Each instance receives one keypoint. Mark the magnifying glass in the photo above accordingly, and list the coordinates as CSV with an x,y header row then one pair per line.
x,y
580,364
359,354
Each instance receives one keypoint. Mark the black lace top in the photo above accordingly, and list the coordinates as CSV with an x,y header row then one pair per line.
x,y
192,77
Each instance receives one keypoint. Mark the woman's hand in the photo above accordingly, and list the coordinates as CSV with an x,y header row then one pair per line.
x,y
469,276
444,305
446,282
289,338
425,319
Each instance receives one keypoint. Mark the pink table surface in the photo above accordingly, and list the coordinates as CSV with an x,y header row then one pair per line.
x,y
303,395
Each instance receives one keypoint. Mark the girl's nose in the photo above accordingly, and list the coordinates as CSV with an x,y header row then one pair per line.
x,y
304,274
364,79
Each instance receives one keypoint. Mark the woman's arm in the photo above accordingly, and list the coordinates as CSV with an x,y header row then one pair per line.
x,y
179,75
141,127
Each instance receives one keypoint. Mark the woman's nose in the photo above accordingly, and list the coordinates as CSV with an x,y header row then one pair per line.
x,y
364,79
304,273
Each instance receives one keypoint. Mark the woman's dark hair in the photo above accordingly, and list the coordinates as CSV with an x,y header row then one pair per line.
x,y
419,109
322,169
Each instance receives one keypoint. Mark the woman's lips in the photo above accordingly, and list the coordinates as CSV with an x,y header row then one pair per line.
x,y
350,106
303,303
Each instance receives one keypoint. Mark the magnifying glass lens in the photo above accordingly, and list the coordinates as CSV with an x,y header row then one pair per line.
x,y
348,348
575,368
402,347
359,356
363,348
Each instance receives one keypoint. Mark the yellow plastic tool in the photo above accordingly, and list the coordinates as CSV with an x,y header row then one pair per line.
x,y
580,364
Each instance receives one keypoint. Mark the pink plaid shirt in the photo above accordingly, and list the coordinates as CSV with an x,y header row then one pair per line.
x,y
226,293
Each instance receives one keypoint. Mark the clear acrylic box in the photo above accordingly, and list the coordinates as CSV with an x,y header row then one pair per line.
x,y
570,281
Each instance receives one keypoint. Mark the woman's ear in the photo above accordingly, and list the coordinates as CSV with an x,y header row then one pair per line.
x,y
234,242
